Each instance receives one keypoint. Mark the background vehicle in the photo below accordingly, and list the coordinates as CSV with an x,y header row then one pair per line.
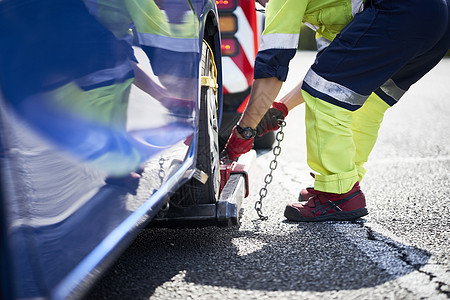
x,y
76,184
240,27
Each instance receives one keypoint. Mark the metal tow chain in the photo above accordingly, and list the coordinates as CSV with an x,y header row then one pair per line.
x,y
268,179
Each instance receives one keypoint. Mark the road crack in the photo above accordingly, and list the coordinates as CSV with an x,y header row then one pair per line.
x,y
413,257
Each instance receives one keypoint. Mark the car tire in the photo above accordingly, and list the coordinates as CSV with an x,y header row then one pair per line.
x,y
194,191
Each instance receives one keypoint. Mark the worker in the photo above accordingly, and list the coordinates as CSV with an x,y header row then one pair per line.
x,y
369,54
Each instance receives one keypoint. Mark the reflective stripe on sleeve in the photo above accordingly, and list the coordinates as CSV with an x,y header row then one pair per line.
x,y
169,43
313,27
334,90
116,74
392,90
279,41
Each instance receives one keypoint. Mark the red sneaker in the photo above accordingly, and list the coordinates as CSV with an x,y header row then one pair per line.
x,y
306,193
322,206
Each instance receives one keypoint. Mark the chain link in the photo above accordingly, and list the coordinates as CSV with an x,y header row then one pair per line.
x,y
269,177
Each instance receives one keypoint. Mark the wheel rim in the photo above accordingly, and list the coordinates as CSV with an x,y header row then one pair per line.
x,y
213,128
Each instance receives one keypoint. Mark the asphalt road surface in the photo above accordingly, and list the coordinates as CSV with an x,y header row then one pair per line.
x,y
401,250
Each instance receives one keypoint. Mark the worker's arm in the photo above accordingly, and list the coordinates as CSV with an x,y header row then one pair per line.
x,y
143,81
278,46
263,93
294,97
261,99
279,43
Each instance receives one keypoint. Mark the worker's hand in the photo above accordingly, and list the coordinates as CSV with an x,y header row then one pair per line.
x,y
272,119
235,147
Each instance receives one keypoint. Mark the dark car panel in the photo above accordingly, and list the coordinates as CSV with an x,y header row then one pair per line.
x,y
83,168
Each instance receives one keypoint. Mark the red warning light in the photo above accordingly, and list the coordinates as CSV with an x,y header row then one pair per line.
x,y
229,47
226,4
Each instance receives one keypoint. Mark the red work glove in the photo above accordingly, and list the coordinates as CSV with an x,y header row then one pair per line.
x,y
272,118
236,146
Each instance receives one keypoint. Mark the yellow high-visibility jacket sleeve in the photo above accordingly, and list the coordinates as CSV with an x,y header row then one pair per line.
x,y
279,40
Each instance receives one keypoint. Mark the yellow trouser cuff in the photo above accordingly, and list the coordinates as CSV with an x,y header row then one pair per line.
x,y
361,172
336,183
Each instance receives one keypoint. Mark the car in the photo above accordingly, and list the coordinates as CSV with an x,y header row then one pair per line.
x,y
87,159
241,24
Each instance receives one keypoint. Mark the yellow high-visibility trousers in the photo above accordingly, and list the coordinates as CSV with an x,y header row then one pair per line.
x,y
339,141
365,126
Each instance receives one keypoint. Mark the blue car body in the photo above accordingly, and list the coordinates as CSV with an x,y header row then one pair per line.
x,y
87,161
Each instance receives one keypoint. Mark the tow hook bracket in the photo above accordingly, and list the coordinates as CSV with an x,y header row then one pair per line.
x,y
242,167
234,187
226,211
